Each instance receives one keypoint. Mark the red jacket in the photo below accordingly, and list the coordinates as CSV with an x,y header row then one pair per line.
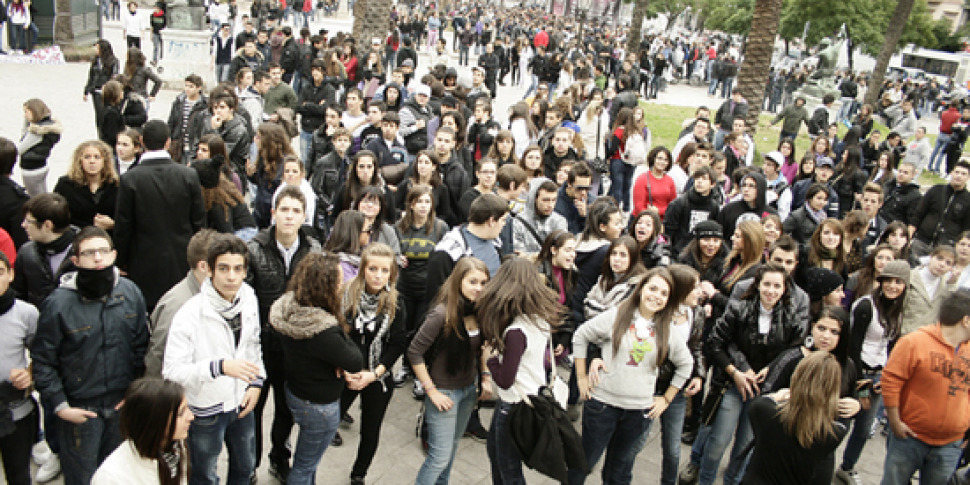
x,y
947,118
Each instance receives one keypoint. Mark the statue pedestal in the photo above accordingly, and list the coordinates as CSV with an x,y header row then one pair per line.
x,y
186,52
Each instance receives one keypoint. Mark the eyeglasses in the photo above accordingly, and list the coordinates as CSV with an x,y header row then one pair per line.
x,y
370,202
90,253
584,188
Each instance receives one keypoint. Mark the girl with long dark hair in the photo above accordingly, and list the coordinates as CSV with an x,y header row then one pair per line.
x,y
267,171
372,203
503,148
647,230
621,173
620,274
138,74
875,322
446,358
518,313
363,172
758,328
828,334
349,236
154,423
427,172
635,340
103,67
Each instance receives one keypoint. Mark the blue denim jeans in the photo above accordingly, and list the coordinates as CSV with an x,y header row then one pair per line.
x,y
620,432
939,152
445,429
306,142
862,425
845,110
712,86
700,443
905,456
727,88
503,456
19,36
621,179
671,428
318,424
719,135
463,55
731,421
84,446
206,436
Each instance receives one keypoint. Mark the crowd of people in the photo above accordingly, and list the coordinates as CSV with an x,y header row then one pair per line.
x,y
324,230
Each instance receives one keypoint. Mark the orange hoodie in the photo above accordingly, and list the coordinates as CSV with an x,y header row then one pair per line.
x,y
928,380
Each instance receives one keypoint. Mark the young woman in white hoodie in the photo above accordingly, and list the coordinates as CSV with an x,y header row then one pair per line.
x,y
635,339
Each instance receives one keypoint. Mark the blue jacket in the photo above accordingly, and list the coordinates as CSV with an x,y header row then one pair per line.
x,y
87,352
566,208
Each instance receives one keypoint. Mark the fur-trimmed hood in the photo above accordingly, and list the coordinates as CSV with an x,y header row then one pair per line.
x,y
299,322
46,126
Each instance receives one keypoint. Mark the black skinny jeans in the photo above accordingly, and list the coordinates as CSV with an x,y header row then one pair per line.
x,y
373,404
15,449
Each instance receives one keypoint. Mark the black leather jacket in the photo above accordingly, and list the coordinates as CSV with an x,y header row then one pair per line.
x,y
267,272
696,345
737,328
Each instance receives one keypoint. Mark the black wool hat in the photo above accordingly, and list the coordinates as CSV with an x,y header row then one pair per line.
x,y
209,171
820,282
708,229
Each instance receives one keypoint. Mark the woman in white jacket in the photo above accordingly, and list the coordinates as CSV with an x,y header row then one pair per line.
x,y
154,422
635,338
594,125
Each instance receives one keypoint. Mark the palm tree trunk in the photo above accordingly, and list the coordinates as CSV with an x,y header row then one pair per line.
x,y
896,25
636,26
757,56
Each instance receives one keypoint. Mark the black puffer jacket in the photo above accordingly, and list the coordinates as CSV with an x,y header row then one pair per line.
x,y
267,271
800,225
738,328
901,202
34,281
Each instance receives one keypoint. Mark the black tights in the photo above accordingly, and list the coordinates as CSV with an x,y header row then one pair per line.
x,y
373,404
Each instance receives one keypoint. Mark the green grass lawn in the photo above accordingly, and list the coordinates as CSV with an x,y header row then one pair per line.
x,y
665,123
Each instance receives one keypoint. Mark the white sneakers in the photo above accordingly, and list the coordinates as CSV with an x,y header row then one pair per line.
x,y
849,477
50,464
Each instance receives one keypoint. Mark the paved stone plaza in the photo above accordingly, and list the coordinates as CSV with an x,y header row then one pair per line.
x,y
399,456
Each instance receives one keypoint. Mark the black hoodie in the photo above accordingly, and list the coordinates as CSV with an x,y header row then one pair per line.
x,y
684,213
739,211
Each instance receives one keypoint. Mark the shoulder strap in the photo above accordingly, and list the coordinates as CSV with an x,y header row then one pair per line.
x,y
529,227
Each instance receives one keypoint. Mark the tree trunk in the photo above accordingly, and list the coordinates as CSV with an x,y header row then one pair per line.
x,y
636,26
371,19
895,31
757,58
